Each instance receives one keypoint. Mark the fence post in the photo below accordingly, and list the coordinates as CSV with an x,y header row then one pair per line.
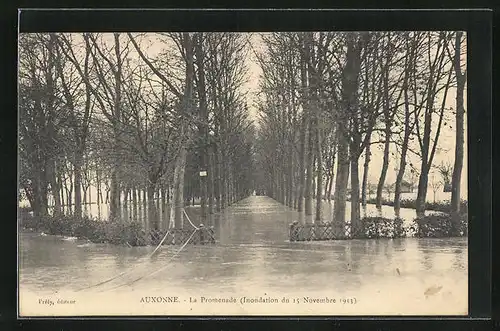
x,y
293,231
211,232
202,237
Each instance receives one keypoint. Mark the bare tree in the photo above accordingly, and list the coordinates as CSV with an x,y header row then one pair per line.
x,y
79,121
461,78
41,122
436,184
435,81
412,43
349,104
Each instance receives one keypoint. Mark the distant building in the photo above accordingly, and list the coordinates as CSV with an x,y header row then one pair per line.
x,y
406,187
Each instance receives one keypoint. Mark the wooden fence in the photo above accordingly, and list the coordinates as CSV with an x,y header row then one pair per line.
x,y
370,228
203,236
319,231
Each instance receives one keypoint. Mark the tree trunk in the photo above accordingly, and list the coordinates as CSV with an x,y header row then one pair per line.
x,y
365,174
428,152
340,198
327,184
125,204
330,171
99,190
290,173
134,202
228,184
203,131
385,167
69,192
108,189
210,178
282,178
114,207
152,219
77,168
459,135
218,180
400,175
39,206
223,176
176,212
61,188
303,133
145,207
406,138
85,202
423,182
349,88
163,206
314,171
283,181
90,198
355,206
158,206
319,165
388,117
330,184
139,205
309,171
54,185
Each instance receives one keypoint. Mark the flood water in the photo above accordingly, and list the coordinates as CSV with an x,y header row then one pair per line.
x,y
252,257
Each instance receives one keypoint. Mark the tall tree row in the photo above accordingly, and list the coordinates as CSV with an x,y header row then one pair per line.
x,y
104,110
336,96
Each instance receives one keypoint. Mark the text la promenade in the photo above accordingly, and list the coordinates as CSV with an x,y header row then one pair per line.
x,y
263,300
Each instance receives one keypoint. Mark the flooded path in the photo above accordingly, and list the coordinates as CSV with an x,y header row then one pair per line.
x,y
253,257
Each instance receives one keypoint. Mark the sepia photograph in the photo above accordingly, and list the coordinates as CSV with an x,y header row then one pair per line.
x,y
242,173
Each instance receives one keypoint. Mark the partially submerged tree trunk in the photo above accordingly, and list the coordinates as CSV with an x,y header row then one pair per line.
x,y
355,203
349,89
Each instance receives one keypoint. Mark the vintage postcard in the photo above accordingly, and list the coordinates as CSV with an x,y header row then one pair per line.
x,y
223,173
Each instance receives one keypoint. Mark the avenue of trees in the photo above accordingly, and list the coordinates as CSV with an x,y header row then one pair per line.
x,y
136,116
327,99
141,117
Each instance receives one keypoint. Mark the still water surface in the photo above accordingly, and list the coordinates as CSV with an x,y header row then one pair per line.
x,y
253,255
